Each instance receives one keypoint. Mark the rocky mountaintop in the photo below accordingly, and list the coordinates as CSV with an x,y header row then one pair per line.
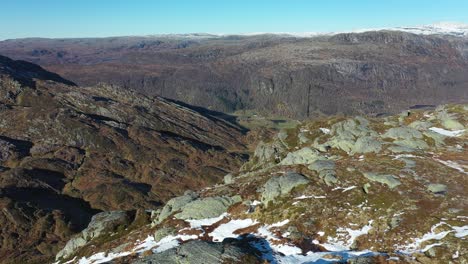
x,y
69,152
375,72
334,190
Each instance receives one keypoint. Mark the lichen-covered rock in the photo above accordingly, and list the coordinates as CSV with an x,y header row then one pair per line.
x,y
438,138
406,139
303,156
402,133
207,207
329,177
420,125
282,185
321,165
228,179
400,149
200,252
437,188
101,223
452,124
326,171
163,232
413,144
367,144
175,204
354,136
269,152
447,119
390,180
303,138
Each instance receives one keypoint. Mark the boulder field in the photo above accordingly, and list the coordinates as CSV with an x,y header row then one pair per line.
x,y
333,190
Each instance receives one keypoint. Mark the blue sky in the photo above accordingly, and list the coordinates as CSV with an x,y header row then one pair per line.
x,y
99,18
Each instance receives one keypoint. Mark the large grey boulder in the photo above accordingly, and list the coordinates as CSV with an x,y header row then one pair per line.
x,y
208,207
199,252
437,188
175,204
420,125
367,144
452,124
438,138
448,120
303,156
402,133
100,224
406,139
321,165
414,144
389,180
281,185
400,149
325,170
163,232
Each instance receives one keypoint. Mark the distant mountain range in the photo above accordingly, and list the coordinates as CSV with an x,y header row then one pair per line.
x,y
372,72
440,28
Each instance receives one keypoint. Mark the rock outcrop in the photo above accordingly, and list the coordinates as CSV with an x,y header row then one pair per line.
x,y
100,224
279,186
201,252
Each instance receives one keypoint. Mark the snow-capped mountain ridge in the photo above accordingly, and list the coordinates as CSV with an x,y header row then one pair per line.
x,y
444,28
441,28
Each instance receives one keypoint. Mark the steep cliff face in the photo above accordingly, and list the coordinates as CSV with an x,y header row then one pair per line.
x,y
68,152
372,72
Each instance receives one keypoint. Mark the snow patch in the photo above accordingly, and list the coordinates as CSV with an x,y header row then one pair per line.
x,y
196,224
345,238
344,189
452,164
302,197
227,230
448,133
460,231
432,235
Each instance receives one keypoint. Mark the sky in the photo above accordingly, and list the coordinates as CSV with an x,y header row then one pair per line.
x,y
101,18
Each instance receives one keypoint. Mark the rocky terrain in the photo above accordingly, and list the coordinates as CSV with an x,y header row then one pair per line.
x,y
122,158
374,72
334,190
69,152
